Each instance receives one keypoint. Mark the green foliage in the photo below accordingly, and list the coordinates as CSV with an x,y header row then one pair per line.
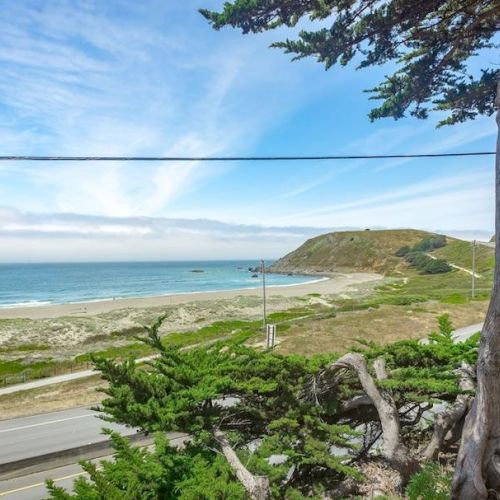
x,y
186,390
431,483
426,244
285,404
132,350
402,300
425,372
436,266
403,251
445,325
430,243
426,264
445,334
25,348
430,45
166,472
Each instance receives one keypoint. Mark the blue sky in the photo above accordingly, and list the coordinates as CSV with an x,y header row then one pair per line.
x,y
152,78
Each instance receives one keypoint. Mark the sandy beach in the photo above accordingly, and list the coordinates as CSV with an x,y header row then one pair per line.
x,y
335,284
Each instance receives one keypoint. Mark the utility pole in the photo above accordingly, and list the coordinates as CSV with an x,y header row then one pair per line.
x,y
264,318
473,268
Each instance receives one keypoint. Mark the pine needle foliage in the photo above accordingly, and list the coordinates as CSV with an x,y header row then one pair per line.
x,y
428,46
283,415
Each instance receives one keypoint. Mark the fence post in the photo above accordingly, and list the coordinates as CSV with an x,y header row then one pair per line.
x,y
271,336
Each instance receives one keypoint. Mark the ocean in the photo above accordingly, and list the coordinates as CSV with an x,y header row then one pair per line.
x,y
34,285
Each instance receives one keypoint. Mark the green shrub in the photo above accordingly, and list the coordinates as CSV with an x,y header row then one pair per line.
x,y
431,483
445,334
426,245
437,266
427,265
430,243
403,251
417,259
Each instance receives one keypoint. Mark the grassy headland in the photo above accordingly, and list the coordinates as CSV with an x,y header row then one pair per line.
x,y
402,305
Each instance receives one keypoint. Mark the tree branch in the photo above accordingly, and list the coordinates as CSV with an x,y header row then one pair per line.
x,y
256,486
393,449
379,367
444,422
355,403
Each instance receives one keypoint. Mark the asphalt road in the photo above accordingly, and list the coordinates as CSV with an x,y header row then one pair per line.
x,y
32,486
464,333
33,436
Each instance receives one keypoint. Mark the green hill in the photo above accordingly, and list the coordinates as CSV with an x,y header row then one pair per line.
x,y
350,250
459,252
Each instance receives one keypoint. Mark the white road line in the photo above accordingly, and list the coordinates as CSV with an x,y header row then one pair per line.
x,y
47,423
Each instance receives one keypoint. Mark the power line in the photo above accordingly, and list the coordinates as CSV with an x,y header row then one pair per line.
x,y
240,158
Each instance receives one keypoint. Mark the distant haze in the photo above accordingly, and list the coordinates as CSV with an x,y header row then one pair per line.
x,y
60,237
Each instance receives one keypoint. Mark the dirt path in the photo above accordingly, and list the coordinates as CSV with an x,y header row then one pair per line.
x,y
468,271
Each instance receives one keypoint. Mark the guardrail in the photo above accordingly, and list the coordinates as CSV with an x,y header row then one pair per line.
x,y
47,461
61,458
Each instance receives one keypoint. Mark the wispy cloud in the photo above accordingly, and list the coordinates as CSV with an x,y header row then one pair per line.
x,y
38,237
86,77
65,236
466,198
81,79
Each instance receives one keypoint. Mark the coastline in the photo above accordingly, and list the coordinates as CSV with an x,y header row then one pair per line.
x,y
325,285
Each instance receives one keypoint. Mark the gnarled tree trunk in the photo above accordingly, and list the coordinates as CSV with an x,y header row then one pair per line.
x,y
478,468
394,451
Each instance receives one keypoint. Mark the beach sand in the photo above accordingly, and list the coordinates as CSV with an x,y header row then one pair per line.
x,y
335,284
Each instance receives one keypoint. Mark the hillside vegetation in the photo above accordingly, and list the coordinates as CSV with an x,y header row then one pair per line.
x,y
350,250
460,254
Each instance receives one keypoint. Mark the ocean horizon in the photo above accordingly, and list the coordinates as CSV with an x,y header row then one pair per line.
x,y
39,284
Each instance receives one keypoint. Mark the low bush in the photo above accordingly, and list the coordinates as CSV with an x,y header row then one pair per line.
x,y
431,483
436,266
424,263
403,251
426,245
430,243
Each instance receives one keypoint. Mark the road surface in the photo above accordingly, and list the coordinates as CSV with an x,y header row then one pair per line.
x,y
461,334
49,432
32,486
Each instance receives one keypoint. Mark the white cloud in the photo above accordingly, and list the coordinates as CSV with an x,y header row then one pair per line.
x,y
92,82
464,200
29,237
56,237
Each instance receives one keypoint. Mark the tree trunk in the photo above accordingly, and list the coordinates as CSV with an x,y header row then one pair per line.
x,y
478,469
446,421
256,486
394,451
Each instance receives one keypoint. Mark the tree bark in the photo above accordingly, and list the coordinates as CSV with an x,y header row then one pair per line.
x,y
256,486
445,422
355,403
477,469
394,451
